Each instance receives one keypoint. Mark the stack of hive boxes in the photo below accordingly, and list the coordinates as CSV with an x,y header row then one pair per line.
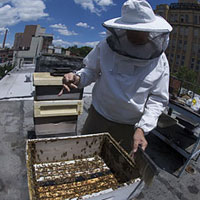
x,y
55,115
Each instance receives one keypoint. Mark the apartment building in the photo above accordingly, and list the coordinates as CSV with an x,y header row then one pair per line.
x,y
184,46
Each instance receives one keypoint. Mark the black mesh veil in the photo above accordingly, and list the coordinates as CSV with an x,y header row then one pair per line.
x,y
156,45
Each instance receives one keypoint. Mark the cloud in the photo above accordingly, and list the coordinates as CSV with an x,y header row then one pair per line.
x,y
62,29
102,34
15,11
94,6
3,30
58,26
63,43
84,25
104,2
6,45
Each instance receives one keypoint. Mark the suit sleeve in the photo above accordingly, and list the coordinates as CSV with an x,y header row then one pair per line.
x,y
91,71
157,101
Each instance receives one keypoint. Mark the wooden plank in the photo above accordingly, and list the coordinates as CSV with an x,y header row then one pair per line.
x,y
44,78
58,108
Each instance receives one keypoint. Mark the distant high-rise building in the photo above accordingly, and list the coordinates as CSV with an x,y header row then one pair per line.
x,y
23,40
30,44
29,32
18,41
184,46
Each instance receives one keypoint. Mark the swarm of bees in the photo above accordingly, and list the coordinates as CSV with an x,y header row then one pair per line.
x,y
73,179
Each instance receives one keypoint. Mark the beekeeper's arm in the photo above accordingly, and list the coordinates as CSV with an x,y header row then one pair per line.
x,y
155,105
86,75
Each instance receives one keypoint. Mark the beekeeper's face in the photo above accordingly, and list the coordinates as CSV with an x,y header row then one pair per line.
x,y
137,37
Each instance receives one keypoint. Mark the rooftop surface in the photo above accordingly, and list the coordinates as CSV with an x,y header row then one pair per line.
x,y
16,122
17,83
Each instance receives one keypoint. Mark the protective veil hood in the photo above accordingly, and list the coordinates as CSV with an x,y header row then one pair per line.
x,y
138,15
156,45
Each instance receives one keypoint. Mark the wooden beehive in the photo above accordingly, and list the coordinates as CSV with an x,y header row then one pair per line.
x,y
47,87
55,115
82,167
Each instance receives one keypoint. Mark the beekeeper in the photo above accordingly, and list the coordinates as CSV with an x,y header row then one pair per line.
x,y
131,72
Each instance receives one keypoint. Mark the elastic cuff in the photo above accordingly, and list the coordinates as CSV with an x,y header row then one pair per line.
x,y
143,129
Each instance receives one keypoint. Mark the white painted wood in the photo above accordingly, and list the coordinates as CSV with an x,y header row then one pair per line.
x,y
58,108
44,78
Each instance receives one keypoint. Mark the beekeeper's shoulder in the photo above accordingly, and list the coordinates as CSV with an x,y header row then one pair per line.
x,y
163,63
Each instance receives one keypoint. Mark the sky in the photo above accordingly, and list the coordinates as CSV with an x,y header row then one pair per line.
x,y
72,22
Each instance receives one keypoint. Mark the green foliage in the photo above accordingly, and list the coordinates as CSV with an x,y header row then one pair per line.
x,y
5,69
188,78
82,51
186,74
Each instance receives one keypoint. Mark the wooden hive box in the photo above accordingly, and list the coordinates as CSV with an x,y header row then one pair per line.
x,y
84,167
53,118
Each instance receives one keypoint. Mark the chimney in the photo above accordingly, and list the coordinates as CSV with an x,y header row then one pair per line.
x,y
4,41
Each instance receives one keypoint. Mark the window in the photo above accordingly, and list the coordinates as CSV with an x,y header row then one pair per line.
x,y
180,44
186,31
182,31
171,17
173,43
174,30
192,63
175,18
177,59
194,48
182,18
186,19
196,32
195,19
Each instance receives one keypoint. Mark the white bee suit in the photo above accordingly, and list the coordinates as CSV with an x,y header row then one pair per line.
x,y
127,90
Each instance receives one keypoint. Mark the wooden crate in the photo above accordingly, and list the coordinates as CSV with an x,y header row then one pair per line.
x,y
55,126
58,108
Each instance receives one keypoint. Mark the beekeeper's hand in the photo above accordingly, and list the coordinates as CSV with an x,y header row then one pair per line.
x,y
139,139
70,80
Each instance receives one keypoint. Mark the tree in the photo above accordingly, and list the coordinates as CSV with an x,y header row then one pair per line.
x,y
5,69
188,78
186,74
82,51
